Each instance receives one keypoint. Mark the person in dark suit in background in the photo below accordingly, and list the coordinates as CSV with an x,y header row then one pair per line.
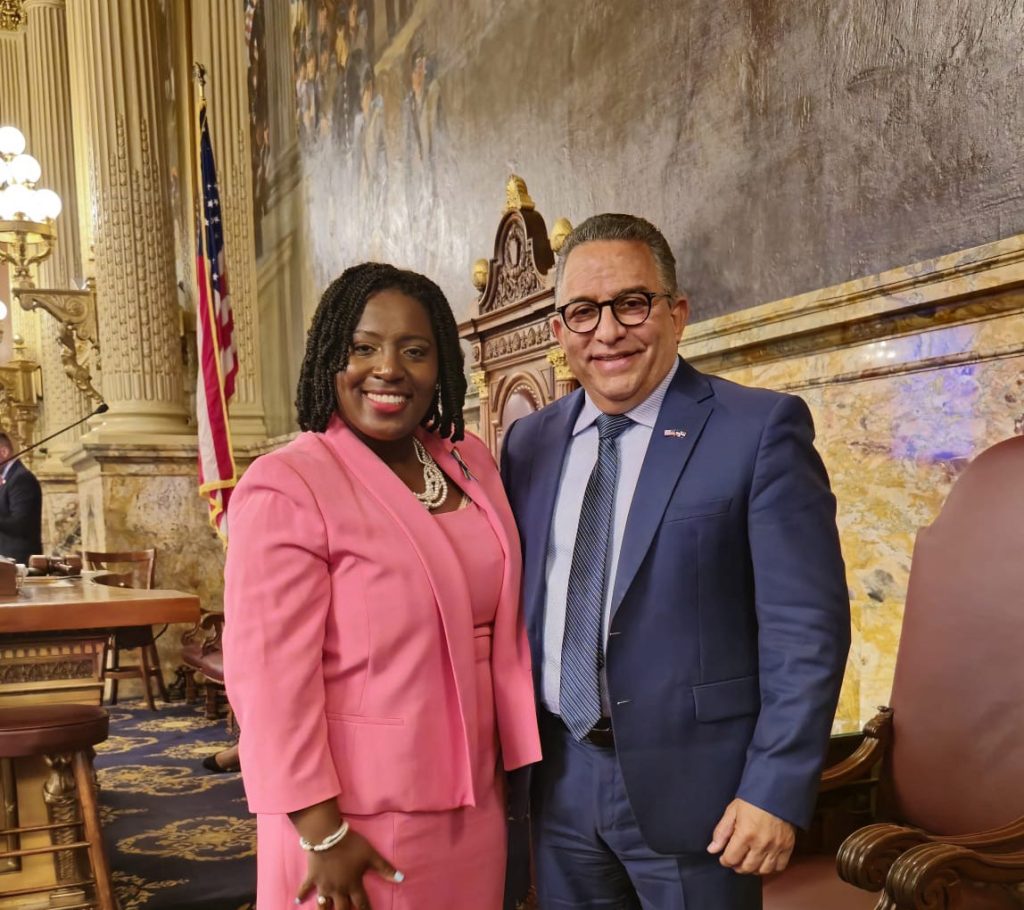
x,y
685,599
21,507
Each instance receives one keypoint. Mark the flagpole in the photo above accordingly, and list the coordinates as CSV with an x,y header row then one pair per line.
x,y
199,77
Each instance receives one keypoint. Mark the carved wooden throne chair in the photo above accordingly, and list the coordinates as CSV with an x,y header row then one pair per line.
x,y
517,365
952,745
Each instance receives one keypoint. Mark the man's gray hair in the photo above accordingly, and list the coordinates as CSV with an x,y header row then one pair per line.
x,y
616,226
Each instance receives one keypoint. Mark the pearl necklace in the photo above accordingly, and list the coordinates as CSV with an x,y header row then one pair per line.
x,y
435,484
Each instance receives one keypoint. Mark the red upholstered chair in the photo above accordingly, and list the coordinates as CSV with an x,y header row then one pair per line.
x,y
130,569
952,781
201,652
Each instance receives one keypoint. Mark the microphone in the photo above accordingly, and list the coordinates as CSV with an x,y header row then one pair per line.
x,y
101,408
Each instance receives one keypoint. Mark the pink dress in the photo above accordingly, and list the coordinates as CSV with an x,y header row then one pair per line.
x,y
453,860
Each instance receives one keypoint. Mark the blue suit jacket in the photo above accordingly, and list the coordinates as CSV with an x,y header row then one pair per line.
x,y
730,618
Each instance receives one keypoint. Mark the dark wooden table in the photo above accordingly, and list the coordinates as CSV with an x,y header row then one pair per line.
x,y
52,634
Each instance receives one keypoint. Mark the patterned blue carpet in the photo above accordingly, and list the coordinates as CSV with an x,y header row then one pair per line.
x,y
178,837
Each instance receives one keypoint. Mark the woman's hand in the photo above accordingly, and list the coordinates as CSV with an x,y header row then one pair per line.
x,y
337,874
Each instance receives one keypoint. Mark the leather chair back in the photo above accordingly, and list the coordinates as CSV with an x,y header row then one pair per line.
x,y
957,761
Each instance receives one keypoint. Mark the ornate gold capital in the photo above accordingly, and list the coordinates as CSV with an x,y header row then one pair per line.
x,y
517,196
12,16
557,359
479,379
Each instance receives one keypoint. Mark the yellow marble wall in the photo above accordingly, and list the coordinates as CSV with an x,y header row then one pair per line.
x,y
909,374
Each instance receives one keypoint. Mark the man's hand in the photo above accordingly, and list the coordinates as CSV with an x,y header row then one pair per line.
x,y
751,840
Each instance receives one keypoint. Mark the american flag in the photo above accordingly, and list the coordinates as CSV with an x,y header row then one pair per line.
x,y
215,342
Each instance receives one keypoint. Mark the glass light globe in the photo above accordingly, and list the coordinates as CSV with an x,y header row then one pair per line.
x,y
3,172
3,310
15,201
47,205
25,169
36,206
12,140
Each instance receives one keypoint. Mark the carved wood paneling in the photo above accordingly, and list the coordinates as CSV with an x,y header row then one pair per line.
x,y
510,330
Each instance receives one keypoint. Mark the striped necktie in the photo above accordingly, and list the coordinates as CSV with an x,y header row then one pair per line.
x,y
582,648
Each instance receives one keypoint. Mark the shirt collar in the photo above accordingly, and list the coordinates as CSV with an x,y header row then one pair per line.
x,y
7,468
645,413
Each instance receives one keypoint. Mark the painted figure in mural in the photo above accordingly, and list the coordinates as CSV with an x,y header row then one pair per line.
x,y
374,646
21,507
421,115
307,95
335,33
685,597
369,148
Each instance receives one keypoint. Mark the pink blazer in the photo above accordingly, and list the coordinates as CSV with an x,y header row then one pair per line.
x,y
348,643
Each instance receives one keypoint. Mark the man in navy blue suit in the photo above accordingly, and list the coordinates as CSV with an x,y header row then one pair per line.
x,y
685,597
21,507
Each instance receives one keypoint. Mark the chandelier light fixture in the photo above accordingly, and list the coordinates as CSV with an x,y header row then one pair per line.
x,y
28,232
27,212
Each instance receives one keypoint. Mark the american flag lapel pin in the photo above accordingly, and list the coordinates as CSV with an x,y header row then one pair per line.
x,y
676,434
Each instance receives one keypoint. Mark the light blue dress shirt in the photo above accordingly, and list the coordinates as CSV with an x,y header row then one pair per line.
x,y
576,468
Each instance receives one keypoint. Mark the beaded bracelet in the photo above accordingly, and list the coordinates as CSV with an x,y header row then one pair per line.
x,y
327,842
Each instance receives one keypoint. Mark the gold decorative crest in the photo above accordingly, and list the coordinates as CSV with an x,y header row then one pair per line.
x,y
517,196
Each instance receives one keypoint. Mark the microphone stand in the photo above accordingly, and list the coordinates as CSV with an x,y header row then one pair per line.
x,y
101,408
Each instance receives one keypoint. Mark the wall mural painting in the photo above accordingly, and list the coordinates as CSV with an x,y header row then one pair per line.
x,y
259,111
782,145
370,122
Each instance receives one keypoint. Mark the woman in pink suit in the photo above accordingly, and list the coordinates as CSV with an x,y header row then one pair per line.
x,y
374,647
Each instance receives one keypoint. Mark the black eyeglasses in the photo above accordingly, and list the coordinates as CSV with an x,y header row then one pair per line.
x,y
630,308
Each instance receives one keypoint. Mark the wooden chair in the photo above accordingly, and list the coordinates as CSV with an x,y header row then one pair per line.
x,y
201,652
952,746
129,569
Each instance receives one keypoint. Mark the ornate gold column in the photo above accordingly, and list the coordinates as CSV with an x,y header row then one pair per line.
x,y
136,469
565,379
218,43
14,110
81,103
53,144
13,69
138,311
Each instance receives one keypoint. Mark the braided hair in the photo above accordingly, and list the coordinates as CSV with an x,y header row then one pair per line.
x,y
329,342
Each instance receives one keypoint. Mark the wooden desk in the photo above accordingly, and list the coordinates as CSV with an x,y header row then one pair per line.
x,y
55,604
53,635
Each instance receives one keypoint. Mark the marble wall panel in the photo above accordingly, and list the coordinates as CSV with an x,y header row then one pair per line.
x,y
134,497
62,530
937,377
